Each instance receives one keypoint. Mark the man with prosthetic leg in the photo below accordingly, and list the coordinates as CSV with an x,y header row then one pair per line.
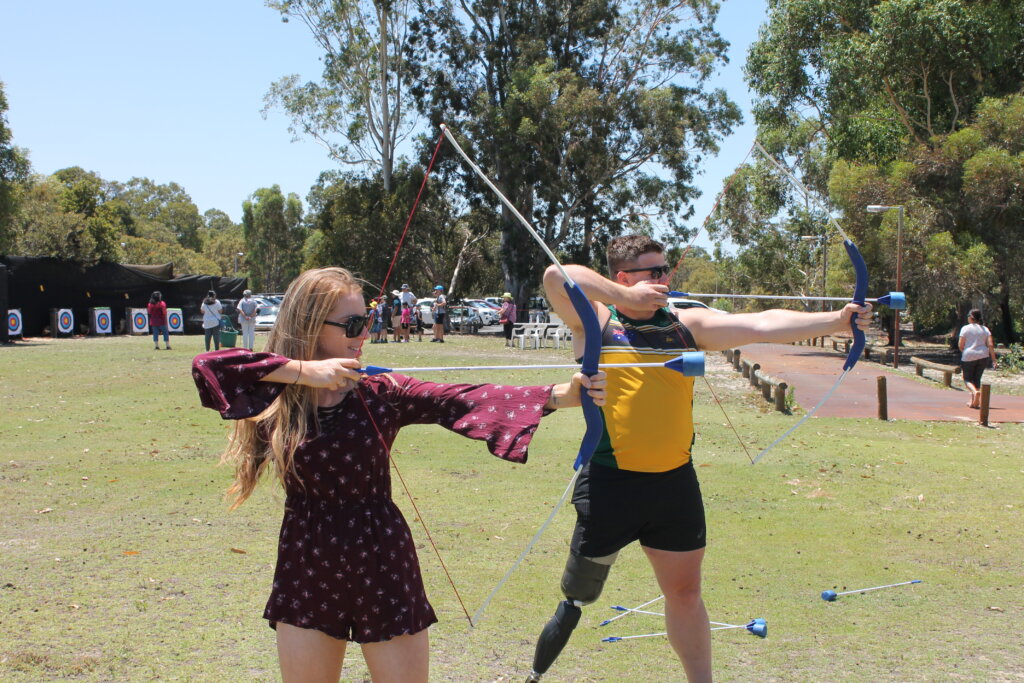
x,y
582,583
640,484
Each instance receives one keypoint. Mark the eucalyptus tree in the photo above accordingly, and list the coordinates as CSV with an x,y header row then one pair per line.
x,y
14,171
592,117
359,109
273,229
877,92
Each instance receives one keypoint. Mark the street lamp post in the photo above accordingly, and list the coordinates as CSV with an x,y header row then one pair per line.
x,y
878,208
237,254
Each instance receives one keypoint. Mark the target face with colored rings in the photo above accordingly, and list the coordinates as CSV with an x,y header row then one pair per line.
x,y
65,322
174,321
141,321
14,322
103,321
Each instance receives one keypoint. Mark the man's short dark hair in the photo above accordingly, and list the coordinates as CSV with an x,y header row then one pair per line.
x,y
623,251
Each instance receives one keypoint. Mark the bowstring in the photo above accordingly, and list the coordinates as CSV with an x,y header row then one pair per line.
x,y
416,509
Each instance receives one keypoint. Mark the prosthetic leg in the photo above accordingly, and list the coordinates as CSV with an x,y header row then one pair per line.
x,y
582,583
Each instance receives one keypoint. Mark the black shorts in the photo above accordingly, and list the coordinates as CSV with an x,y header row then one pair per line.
x,y
439,318
974,369
662,510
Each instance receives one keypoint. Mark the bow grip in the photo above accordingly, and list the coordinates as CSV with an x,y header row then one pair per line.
x,y
860,293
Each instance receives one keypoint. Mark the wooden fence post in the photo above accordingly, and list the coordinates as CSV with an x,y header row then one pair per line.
x,y
736,359
986,390
883,399
780,397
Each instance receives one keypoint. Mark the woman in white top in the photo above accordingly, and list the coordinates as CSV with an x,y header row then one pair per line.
x,y
976,350
211,309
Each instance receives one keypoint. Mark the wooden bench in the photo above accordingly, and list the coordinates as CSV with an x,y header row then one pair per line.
x,y
920,365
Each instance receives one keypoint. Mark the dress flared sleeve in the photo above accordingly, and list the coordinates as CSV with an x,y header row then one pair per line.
x,y
229,381
503,416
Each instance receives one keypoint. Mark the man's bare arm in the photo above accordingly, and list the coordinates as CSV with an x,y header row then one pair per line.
x,y
714,331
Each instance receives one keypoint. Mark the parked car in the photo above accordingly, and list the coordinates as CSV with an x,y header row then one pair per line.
x,y
465,319
266,316
487,314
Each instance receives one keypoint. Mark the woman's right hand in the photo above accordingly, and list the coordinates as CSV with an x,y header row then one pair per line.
x,y
339,374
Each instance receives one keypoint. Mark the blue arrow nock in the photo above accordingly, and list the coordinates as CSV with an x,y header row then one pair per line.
x,y
689,364
894,300
371,370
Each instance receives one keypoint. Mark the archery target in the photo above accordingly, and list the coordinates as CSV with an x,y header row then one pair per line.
x,y
140,320
64,321
175,321
101,322
14,322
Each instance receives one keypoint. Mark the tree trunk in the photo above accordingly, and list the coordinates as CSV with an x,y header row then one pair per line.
x,y
1007,315
387,163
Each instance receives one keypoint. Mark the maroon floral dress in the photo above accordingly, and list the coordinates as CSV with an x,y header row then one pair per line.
x,y
346,562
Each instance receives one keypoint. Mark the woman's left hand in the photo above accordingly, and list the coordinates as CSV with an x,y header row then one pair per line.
x,y
595,385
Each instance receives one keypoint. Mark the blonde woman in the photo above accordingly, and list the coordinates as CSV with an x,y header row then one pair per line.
x,y
347,567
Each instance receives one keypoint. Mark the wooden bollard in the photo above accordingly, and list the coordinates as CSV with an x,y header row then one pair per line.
x,y
780,397
883,399
986,390
753,374
736,359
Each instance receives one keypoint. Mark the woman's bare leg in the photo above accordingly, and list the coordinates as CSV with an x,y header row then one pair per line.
x,y
308,656
404,659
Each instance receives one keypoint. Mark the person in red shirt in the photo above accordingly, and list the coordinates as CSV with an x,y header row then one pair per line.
x,y
158,319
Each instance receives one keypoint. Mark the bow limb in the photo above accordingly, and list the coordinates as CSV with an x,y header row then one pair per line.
x,y
580,303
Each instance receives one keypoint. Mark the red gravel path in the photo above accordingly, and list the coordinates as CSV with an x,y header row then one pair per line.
x,y
812,371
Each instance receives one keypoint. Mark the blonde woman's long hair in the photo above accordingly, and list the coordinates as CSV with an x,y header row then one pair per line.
x,y
271,438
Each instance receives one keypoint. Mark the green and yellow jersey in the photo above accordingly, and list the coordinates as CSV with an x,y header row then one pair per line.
x,y
648,415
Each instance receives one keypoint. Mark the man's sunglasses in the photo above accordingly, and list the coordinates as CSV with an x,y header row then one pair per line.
x,y
657,272
353,327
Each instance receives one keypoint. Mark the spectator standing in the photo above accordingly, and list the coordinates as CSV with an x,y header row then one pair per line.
x,y
396,315
158,319
440,310
408,297
417,321
406,321
211,308
385,318
507,316
247,309
976,352
375,323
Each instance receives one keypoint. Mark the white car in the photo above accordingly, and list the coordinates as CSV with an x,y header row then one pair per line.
x,y
488,314
266,316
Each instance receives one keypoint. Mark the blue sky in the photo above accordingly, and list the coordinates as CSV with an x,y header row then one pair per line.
x,y
173,92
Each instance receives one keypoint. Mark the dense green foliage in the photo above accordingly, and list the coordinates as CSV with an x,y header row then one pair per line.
x,y
907,102
592,117
14,168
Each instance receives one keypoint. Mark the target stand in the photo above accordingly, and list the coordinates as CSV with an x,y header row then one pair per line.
x,y
62,322
175,321
13,323
100,321
138,321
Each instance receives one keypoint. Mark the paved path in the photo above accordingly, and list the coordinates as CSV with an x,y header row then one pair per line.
x,y
812,371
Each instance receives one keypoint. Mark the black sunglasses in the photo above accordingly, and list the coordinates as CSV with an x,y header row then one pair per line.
x,y
353,327
657,272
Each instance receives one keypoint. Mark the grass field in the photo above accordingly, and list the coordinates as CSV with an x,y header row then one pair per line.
x,y
120,561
